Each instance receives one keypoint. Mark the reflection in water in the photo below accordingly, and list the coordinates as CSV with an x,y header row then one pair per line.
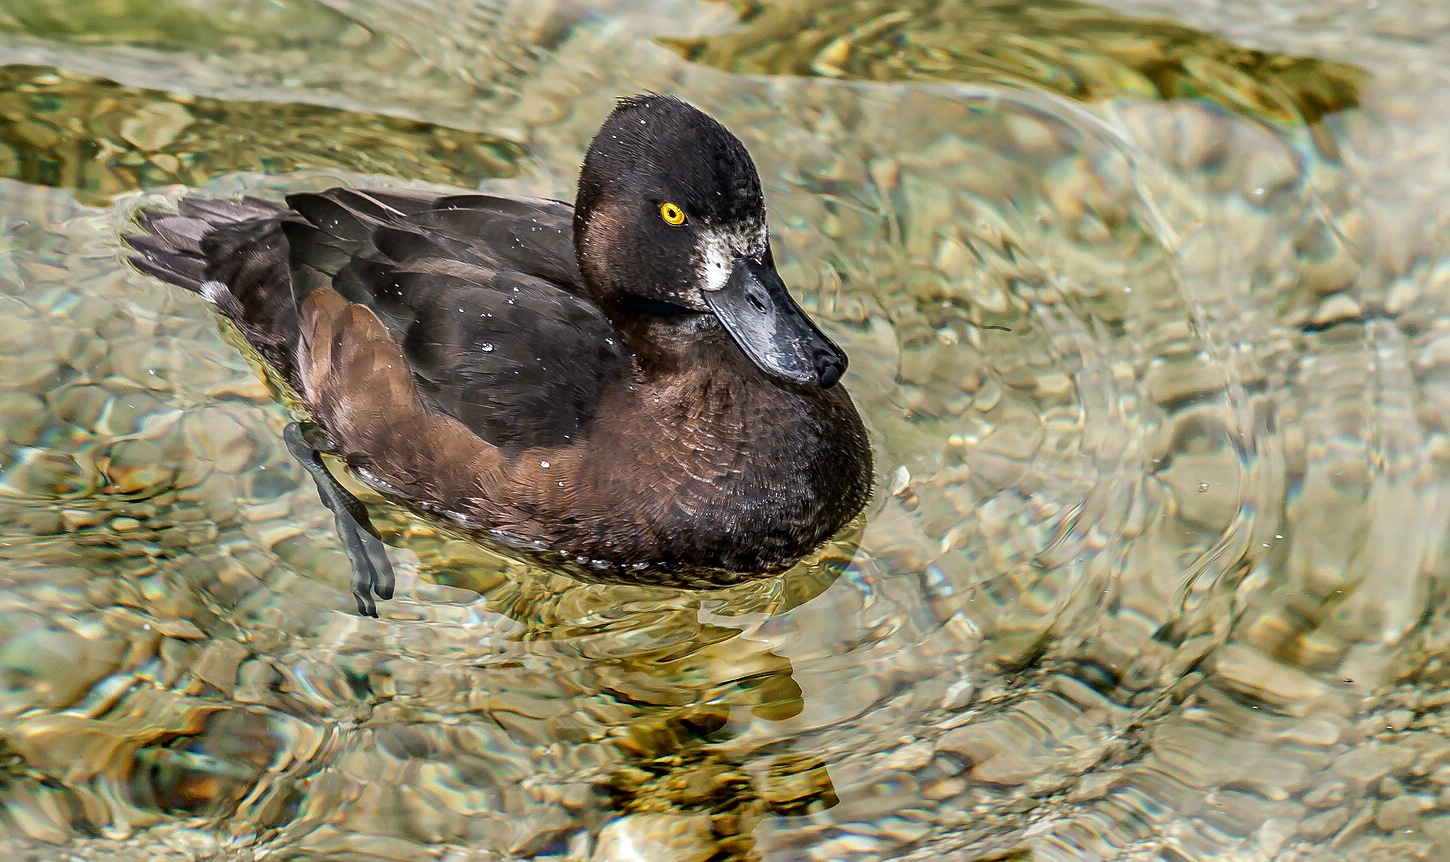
x,y
135,138
1064,46
1156,377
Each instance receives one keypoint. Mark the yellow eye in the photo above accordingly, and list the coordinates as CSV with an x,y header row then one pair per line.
x,y
672,214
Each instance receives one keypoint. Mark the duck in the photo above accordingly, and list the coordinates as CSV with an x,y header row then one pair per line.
x,y
625,383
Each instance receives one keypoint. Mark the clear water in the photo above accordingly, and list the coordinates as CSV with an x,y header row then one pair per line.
x,y
1147,310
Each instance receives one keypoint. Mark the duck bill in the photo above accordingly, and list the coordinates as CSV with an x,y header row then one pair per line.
x,y
759,313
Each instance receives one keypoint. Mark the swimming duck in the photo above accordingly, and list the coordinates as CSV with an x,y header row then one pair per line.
x,y
626,381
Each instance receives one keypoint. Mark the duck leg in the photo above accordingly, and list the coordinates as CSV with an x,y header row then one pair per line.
x,y
371,571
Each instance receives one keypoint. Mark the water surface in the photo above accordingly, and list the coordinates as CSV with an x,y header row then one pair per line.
x,y
1146,307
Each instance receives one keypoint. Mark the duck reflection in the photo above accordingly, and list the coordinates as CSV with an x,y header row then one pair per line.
x,y
678,683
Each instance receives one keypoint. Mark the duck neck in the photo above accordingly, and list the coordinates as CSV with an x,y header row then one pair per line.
x,y
666,345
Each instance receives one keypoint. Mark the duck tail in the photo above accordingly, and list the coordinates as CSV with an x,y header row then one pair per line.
x,y
172,248
234,254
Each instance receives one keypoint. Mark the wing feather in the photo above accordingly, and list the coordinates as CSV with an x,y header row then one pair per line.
x,y
483,297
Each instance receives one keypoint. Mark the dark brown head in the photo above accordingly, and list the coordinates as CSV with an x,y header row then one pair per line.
x,y
670,222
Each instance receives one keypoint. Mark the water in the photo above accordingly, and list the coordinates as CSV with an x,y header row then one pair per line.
x,y
1147,315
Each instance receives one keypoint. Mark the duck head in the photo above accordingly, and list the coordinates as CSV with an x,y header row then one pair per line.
x,y
670,224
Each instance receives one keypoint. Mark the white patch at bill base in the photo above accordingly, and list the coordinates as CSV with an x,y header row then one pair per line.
x,y
720,247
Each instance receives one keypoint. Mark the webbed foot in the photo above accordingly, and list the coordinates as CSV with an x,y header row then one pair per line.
x,y
372,574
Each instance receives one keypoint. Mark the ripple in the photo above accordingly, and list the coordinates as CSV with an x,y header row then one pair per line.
x,y
144,138
1078,50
